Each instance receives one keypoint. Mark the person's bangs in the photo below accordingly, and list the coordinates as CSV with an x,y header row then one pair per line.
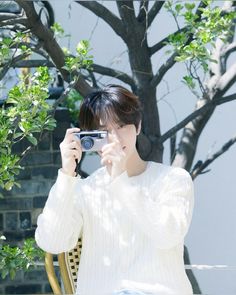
x,y
94,115
111,105
106,115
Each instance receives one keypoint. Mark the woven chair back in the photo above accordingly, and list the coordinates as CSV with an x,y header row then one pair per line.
x,y
72,259
68,266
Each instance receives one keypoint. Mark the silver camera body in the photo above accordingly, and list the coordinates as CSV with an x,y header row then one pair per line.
x,y
92,141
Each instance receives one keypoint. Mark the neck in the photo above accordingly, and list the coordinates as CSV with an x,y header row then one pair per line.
x,y
135,165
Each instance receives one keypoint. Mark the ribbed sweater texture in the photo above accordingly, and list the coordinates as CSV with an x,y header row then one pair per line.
x,y
133,229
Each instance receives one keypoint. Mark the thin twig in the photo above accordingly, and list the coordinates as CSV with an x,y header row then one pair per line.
x,y
200,166
209,105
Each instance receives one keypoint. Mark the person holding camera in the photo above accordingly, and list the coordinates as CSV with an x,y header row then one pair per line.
x,y
133,215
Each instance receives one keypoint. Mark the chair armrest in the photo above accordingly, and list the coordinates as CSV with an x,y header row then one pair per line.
x,y
51,274
64,274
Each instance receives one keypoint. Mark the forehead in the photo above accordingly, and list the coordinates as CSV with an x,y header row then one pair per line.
x,y
108,123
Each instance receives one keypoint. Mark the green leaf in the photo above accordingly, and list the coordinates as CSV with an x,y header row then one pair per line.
x,y
189,6
83,47
17,184
7,41
12,273
9,185
17,134
189,81
24,47
32,139
57,29
178,7
12,100
4,272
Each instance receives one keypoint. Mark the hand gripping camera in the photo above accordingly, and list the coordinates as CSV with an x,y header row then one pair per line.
x,y
92,140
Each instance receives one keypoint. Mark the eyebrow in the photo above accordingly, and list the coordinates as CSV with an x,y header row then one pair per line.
x,y
118,124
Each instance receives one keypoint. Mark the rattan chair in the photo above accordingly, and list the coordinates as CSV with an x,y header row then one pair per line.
x,y
68,267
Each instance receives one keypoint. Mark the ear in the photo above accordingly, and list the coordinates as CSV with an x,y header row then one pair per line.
x,y
139,127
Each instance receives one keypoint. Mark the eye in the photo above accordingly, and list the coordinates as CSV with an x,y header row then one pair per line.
x,y
102,128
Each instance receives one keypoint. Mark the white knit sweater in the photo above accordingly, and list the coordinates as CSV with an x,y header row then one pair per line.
x,y
133,229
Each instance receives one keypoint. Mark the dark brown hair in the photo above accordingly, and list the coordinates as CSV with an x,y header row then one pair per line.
x,y
114,104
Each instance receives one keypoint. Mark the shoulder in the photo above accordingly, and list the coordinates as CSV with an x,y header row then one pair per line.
x,y
179,180
169,175
177,172
174,181
164,170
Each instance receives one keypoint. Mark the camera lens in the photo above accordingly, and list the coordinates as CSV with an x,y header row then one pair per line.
x,y
87,143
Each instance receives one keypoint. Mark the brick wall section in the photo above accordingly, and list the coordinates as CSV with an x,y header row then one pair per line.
x,y
21,206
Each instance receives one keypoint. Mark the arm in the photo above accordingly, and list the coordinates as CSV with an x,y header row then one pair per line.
x,y
59,225
165,215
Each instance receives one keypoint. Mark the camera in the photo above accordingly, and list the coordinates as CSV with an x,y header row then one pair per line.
x,y
92,140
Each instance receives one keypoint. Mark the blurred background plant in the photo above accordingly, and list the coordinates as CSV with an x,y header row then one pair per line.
x,y
24,115
13,259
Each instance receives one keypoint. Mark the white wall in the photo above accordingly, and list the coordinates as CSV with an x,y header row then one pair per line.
x,y
212,236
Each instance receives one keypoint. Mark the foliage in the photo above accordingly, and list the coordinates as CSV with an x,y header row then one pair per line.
x,y
13,259
58,30
12,46
74,64
194,45
25,114
73,103
82,59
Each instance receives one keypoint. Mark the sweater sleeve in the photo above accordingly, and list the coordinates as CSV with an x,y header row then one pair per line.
x,y
60,223
165,215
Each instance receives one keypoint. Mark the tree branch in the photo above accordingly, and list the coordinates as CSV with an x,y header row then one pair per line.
x,y
126,10
96,69
216,69
188,143
161,43
5,67
50,45
43,34
227,80
229,49
143,8
211,104
111,19
154,11
171,61
220,52
163,69
33,47
11,22
200,165
8,16
201,5
113,73
33,63
62,97
225,99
